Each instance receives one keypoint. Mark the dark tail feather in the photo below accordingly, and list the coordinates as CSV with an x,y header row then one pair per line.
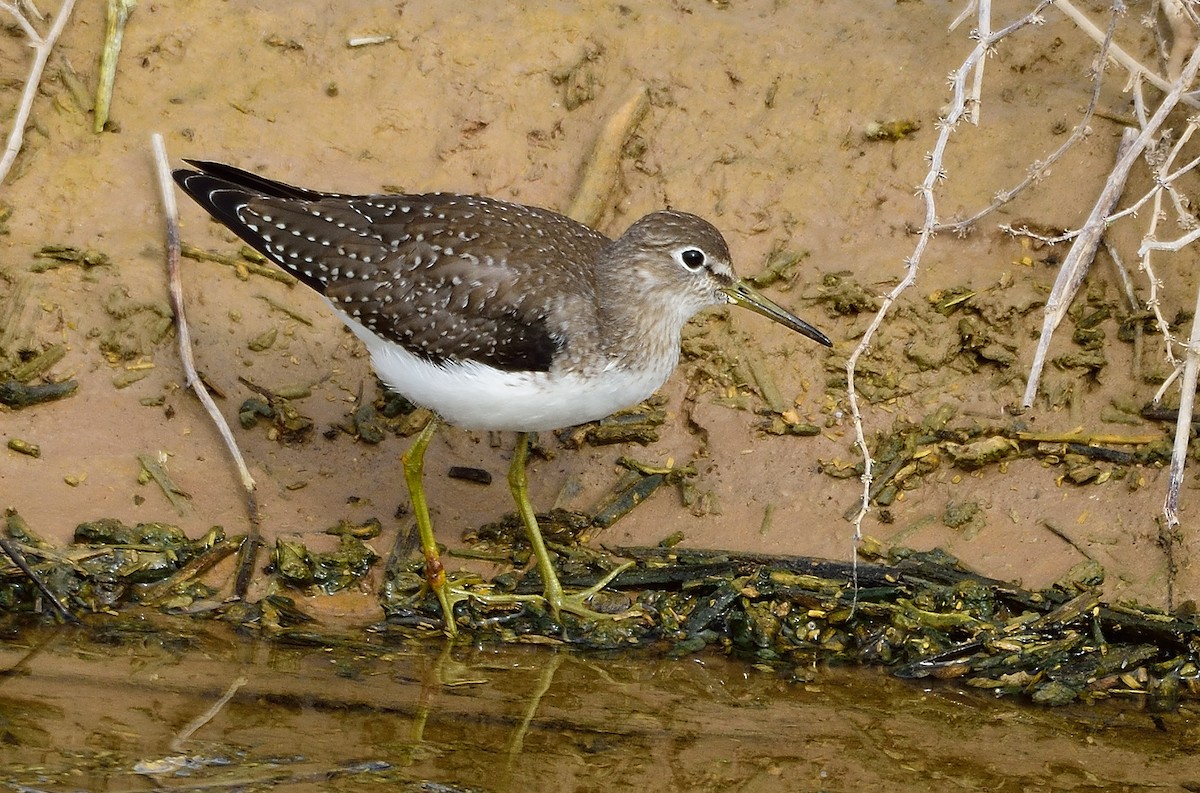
x,y
223,191
251,182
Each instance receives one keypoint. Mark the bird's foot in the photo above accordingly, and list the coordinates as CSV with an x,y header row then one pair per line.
x,y
577,602
558,601
448,596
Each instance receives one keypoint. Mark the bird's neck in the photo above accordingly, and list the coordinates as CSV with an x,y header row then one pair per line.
x,y
641,326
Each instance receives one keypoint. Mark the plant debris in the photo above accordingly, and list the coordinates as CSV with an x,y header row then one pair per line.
x,y
111,565
155,469
53,256
892,129
288,424
906,453
24,447
920,615
316,572
917,614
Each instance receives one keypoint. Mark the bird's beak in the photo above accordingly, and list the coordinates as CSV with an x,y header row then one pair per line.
x,y
746,296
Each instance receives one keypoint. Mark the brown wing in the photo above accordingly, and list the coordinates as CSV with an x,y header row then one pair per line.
x,y
447,277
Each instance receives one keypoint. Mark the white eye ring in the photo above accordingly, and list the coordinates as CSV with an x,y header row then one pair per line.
x,y
691,258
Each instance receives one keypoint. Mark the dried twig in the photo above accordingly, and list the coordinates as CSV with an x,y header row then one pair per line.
x,y
250,549
1079,259
1163,181
1183,426
42,45
1117,54
982,31
1075,266
946,127
1040,168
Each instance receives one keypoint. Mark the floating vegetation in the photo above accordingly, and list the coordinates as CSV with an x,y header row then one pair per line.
x,y
111,565
919,615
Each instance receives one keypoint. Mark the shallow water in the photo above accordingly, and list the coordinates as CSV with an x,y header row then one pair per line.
x,y
104,708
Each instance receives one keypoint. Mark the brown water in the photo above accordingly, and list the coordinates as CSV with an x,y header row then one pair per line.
x,y
104,708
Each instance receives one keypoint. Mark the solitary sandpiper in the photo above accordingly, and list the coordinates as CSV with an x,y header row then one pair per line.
x,y
491,314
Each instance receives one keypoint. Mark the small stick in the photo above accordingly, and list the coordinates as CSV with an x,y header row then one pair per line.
x,y
1062,535
603,167
114,33
1083,250
1183,425
249,551
968,9
30,8
1115,53
204,718
18,559
1134,306
1075,267
42,45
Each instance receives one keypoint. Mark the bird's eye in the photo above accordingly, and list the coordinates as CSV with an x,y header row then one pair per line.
x,y
692,258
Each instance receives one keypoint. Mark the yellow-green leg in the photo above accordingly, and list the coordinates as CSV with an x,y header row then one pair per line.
x,y
558,601
413,462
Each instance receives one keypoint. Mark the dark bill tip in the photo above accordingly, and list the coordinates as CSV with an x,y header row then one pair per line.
x,y
746,296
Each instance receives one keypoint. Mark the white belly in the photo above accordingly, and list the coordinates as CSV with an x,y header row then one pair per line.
x,y
473,396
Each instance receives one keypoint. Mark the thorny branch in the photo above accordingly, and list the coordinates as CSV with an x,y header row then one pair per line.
x,y
1075,267
1040,168
1080,258
1151,141
1136,70
946,125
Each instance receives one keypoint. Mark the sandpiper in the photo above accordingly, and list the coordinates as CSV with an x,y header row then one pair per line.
x,y
493,315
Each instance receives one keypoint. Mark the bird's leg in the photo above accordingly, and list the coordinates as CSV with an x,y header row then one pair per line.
x,y
413,462
552,589
518,482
